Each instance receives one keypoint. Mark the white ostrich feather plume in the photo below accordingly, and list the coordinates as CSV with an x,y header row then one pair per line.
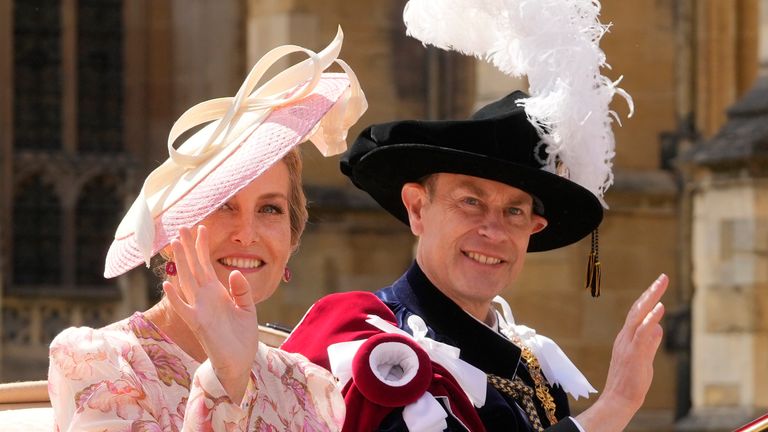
x,y
555,43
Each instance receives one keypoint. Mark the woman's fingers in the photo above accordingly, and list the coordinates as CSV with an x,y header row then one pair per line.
x,y
189,244
193,262
197,277
203,254
177,302
240,290
187,280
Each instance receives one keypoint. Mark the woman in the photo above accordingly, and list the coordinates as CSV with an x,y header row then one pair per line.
x,y
226,209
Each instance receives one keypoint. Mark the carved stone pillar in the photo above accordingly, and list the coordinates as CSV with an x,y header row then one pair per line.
x,y
726,44
729,176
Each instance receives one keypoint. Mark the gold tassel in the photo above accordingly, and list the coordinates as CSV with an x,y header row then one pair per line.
x,y
593,267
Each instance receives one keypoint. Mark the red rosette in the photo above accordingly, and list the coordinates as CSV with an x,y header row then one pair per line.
x,y
391,370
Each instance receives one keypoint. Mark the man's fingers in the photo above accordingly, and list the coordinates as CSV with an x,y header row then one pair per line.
x,y
646,302
655,315
650,332
240,290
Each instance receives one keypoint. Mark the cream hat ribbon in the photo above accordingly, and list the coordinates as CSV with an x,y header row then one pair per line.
x,y
234,119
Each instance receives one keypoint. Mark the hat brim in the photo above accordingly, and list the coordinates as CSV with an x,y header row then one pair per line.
x,y
284,128
571,211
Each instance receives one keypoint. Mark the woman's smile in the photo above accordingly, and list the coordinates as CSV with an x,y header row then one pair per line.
x,y
242,263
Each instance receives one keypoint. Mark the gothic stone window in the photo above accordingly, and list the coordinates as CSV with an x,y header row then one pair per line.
x,y
64,163
96,216
36,234
99,71
37,74
48,47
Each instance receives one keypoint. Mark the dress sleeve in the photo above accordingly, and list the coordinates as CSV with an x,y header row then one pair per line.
x,y
296,394
324,402
209,406
285,391
94,386
104,381
101,380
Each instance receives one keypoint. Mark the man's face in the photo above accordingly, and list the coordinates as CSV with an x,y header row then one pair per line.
x,y
473,235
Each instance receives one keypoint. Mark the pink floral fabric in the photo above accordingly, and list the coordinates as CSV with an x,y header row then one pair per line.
x,y
129,376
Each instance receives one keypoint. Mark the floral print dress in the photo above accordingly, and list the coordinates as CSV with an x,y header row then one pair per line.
x,y
129,376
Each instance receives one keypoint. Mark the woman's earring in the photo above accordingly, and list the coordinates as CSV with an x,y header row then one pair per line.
x,y
286,275
170,268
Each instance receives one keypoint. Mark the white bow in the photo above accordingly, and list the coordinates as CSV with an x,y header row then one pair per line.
x,y
471,379
426,414
555,365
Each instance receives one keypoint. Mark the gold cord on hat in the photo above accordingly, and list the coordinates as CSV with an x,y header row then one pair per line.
x,y
593,267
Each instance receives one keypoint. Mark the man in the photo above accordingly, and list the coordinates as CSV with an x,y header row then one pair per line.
x,y
476,196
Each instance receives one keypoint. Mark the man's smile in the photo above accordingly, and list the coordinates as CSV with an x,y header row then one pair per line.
x,y
481,258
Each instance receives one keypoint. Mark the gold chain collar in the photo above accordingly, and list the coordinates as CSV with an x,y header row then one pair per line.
x,y
519,391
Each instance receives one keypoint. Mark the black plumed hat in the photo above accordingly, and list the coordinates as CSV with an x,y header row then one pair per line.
x,y
497,143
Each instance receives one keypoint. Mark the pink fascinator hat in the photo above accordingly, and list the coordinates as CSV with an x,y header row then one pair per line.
x,y
244,136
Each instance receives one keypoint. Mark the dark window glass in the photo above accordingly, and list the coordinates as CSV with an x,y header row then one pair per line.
x,y
36,234
100,75
37,74
98,212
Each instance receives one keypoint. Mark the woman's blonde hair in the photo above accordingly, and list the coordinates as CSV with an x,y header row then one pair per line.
x,y
297,201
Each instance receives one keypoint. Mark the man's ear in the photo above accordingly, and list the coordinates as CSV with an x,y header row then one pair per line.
x,y
539,223
414,198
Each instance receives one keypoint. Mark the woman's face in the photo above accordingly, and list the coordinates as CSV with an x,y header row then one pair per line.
x,y
252,233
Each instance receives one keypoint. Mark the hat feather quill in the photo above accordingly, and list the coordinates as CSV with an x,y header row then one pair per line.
x,y
555,44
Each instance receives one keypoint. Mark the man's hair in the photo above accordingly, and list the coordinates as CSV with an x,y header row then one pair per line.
x,y
429,182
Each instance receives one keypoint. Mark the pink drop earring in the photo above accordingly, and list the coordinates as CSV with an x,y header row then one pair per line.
x,y
170,268
286,275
